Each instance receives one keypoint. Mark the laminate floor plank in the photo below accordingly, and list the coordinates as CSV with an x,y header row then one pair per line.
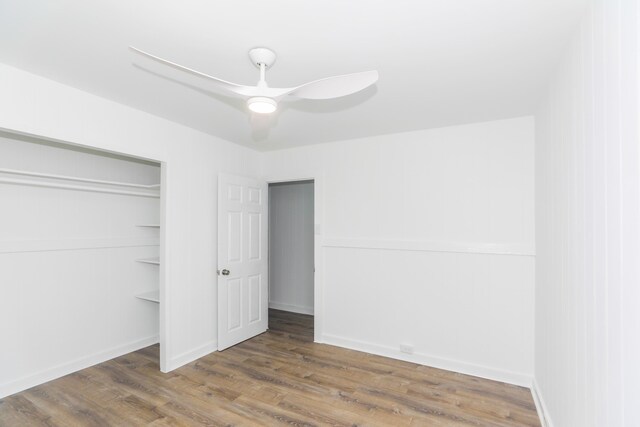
x,y
18,410
280,377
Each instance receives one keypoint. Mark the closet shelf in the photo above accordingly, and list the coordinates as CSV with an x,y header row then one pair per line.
x,y
155,261
153,296
37,179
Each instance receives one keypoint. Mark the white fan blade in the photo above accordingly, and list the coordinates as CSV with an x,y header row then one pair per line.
x,y
335,87
231,87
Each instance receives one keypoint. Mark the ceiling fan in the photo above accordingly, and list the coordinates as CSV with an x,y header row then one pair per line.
x,y
264,99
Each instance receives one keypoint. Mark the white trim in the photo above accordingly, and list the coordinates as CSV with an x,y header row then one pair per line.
x,y
541,407
17,246
139,154
33,183
41,377
66,182
191,355
77,179
467,368
431,246
165,285
283,180
291,307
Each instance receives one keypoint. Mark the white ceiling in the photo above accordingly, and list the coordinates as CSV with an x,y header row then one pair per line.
x,y
441,62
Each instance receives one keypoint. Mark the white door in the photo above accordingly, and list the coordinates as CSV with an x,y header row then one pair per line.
x,y
242,259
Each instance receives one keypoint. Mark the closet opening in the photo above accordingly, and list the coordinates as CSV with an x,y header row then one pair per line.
x,y
291,258
81,243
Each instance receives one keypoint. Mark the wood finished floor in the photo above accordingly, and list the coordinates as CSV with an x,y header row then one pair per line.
x,y
278,378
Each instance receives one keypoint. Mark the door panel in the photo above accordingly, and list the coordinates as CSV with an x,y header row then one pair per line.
x,y
242,259
234,236
254,236
254,299
234,304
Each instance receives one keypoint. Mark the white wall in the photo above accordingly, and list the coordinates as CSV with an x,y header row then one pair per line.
x,y
35,105
291,247
426,238
587,344
67,262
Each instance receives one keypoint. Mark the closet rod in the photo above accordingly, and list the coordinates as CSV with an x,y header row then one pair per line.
x,y
78,179
76,187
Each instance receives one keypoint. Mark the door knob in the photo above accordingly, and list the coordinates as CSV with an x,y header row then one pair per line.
x,y
224,272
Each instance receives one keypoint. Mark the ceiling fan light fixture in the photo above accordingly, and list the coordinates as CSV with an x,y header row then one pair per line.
x,y
262,98
262,105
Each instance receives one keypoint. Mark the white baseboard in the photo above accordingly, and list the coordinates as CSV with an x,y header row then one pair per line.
x,y
514,378
290,307
41,377
541,407
191,355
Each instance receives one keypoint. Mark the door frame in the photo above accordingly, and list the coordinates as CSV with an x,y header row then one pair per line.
x,y
318,249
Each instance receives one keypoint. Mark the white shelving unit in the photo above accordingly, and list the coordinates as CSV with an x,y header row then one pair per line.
x,y
66,182
155,260
153,296
76,208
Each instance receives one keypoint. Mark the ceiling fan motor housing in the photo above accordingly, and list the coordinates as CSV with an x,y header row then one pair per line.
x,y
262,55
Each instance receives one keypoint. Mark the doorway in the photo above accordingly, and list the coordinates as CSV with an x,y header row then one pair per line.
x,y
291,257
